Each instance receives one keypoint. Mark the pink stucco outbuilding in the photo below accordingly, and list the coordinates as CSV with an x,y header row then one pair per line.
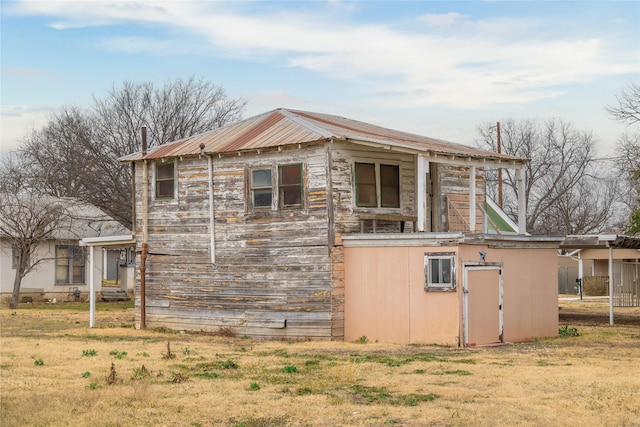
x,y
450,288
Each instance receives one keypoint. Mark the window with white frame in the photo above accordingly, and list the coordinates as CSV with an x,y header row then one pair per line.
x,y
165,179
289,184
440,271
377,185
70,264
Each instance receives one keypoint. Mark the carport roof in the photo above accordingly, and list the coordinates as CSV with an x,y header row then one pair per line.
x,y
600,241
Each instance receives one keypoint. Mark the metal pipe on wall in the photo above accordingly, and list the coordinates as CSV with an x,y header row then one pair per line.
x,y
144,249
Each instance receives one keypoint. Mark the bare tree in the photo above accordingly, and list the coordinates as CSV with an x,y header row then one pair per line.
x,y
628,108
558,176
628,151
27,220
76,153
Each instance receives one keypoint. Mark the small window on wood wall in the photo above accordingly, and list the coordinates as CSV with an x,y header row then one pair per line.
x,y
377,185
289,192
440,271
261,188
290,185
165,180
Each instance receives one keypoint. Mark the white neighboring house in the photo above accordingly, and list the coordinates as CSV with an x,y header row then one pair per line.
x,y
64,273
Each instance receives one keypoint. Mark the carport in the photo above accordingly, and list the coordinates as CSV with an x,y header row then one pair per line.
x,y
623,288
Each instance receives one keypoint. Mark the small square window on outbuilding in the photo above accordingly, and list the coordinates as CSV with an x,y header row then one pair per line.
x,y
440,271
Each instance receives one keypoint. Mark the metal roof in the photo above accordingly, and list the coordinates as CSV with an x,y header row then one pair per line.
x,y
282,127
600,241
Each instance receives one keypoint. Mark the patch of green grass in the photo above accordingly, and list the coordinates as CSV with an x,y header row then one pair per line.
x,y
38,362
419,371
206,375
380,395
566,331
86,374
413,399
371,394
254,386
290,369
227,364
90,352
118,354
93,386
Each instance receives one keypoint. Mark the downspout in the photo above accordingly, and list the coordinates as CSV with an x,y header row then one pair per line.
x,y
212,235
145,248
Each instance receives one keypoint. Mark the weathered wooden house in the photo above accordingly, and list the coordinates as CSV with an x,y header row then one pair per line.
x,y
247,227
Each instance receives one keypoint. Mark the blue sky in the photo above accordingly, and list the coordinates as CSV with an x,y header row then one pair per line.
x,y
430,67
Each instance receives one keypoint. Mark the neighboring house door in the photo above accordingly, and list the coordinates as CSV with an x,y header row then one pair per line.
x,y
482,304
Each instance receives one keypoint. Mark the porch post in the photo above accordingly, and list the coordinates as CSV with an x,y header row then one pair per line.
x,y
472,199
92,290
522,203
611,285
422,167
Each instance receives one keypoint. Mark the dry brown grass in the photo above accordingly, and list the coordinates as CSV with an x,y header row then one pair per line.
x,y
591,379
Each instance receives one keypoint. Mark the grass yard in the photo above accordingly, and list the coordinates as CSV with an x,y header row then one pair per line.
x,y
54,370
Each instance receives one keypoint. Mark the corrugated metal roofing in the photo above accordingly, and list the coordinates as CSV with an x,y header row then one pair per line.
x,y
284,126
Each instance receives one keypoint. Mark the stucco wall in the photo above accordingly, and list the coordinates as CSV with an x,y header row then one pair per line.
x,y
530,289
385,298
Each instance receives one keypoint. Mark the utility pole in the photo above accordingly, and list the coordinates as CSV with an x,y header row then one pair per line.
x,y
499,169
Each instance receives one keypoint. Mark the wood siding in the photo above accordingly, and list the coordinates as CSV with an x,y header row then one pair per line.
x,y
279,272
274,276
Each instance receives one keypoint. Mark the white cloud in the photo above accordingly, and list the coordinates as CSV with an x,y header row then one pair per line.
x,y
446,59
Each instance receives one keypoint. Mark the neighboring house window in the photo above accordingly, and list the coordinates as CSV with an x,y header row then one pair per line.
x,y
289,192
261,188
70,263
290,185
377,185
165,180
440,271
14,257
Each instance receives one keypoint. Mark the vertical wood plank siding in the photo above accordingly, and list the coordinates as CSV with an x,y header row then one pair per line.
x,y
280,273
